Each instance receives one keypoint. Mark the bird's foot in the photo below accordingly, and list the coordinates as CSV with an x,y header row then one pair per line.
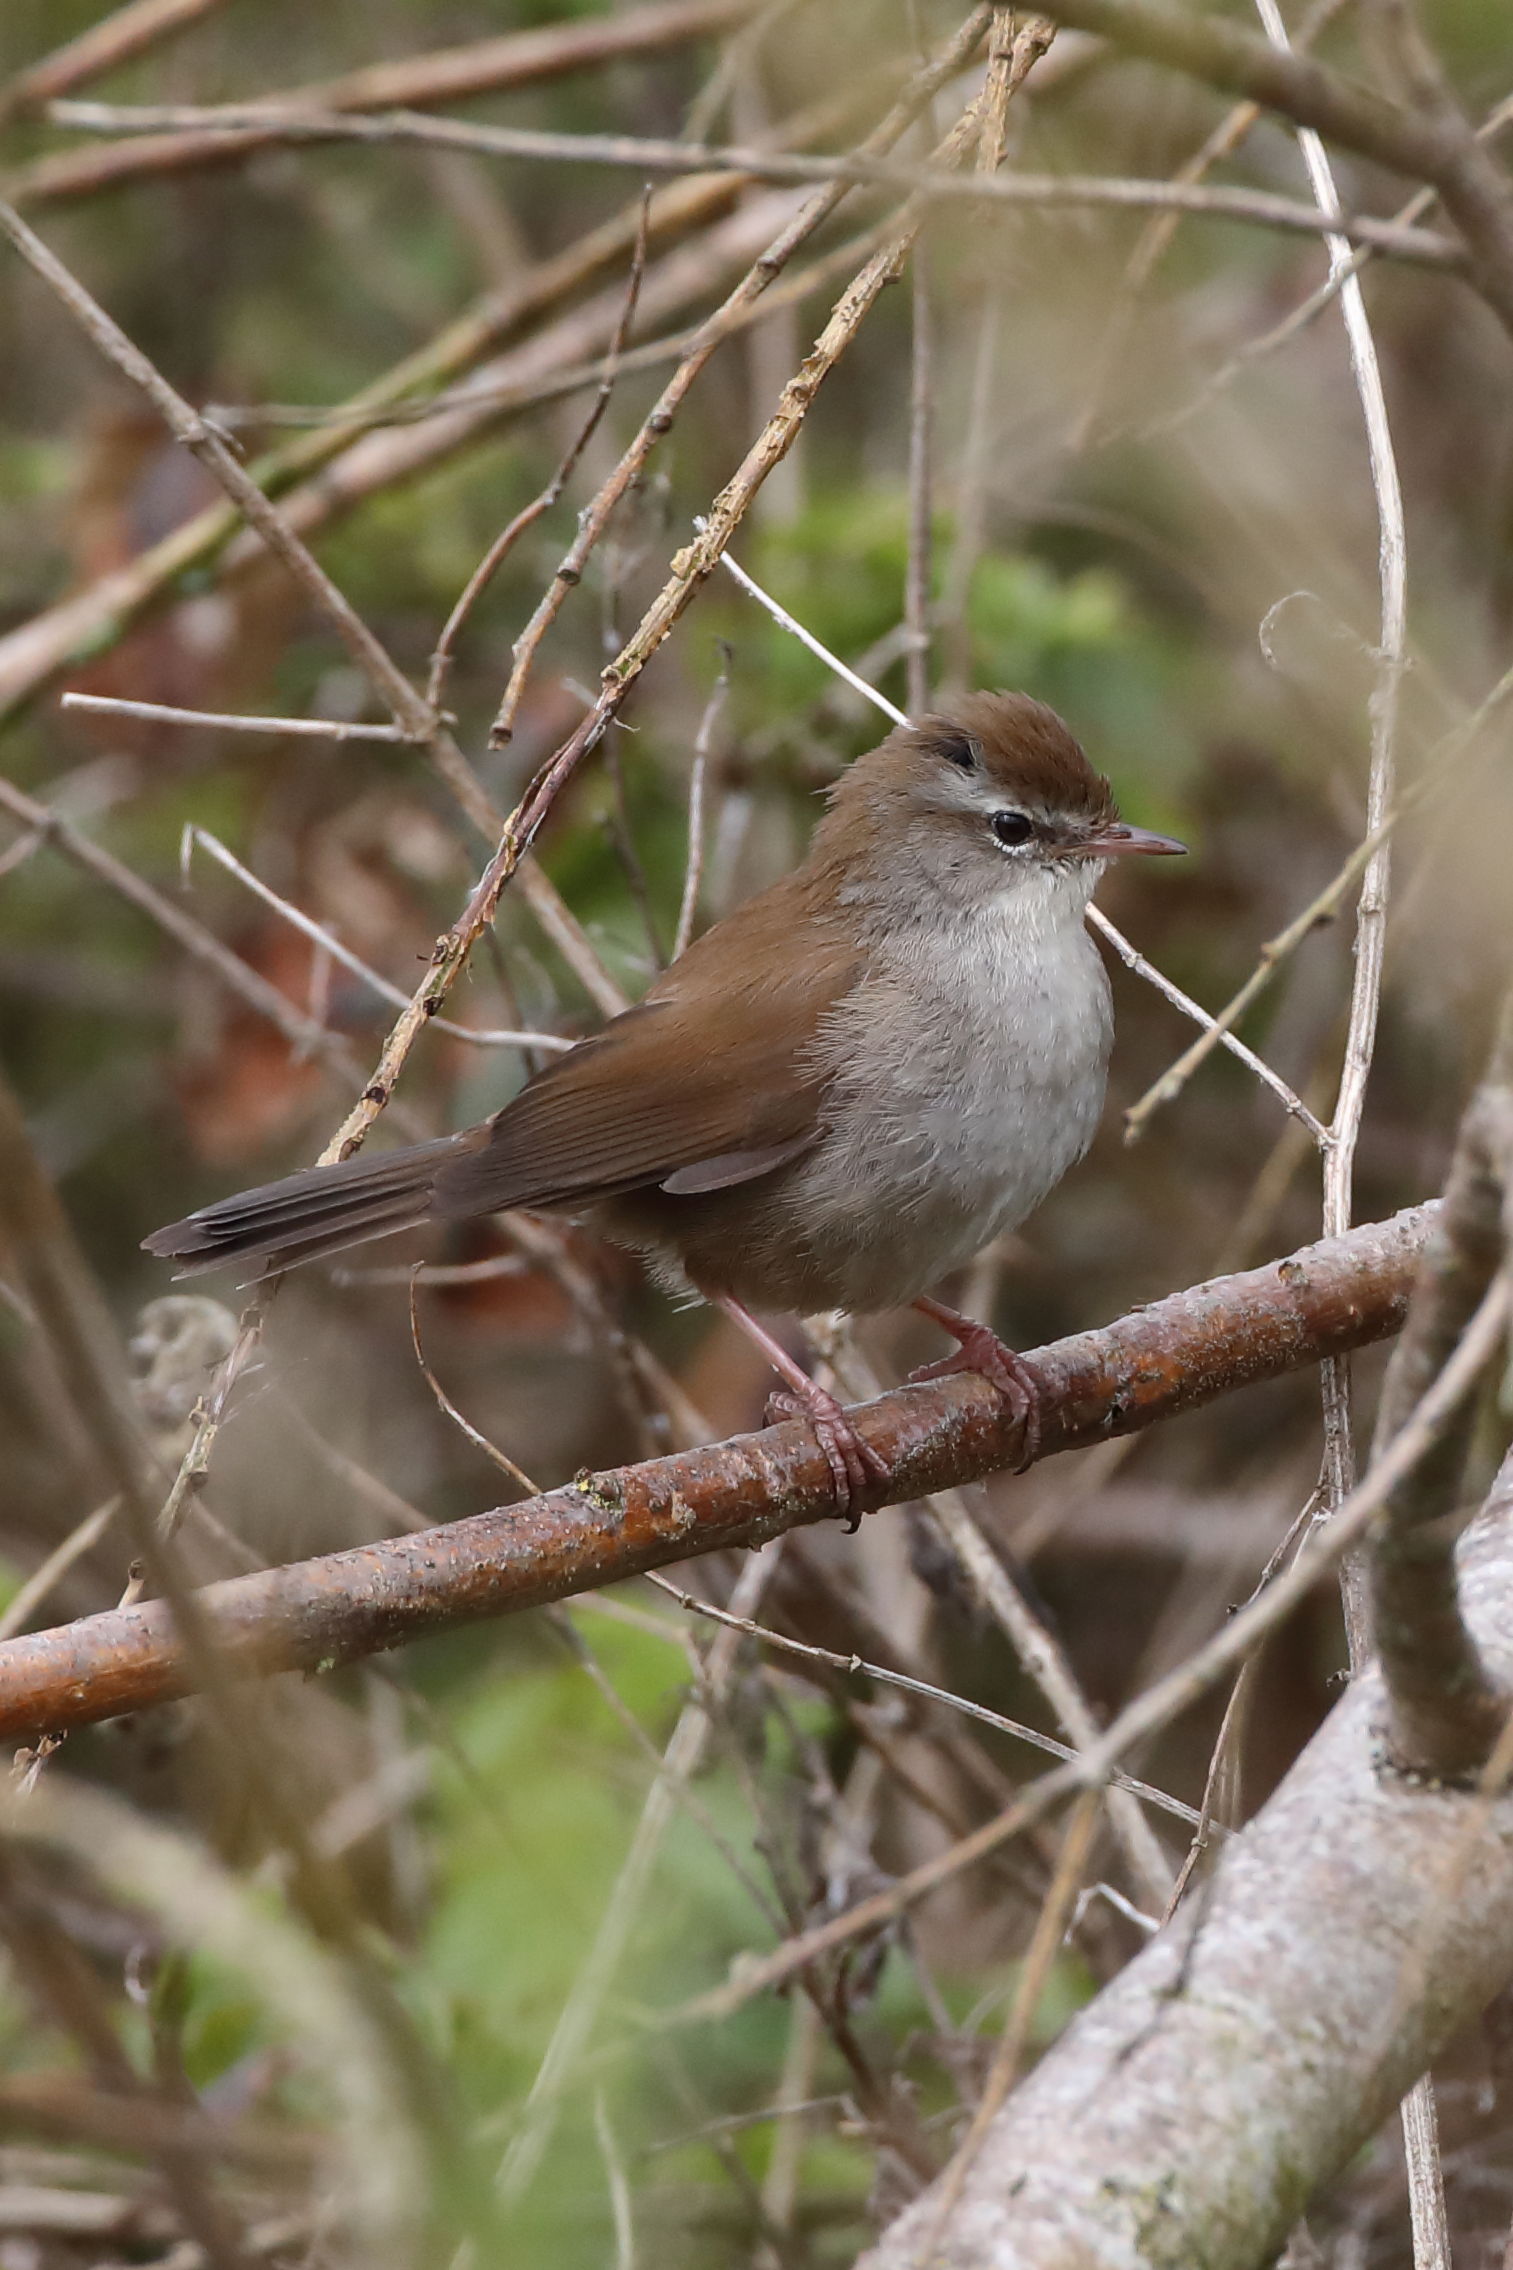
x,y
979,1350
856,1467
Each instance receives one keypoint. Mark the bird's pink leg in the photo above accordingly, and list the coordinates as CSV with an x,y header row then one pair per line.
x,y
980,1350
855,1465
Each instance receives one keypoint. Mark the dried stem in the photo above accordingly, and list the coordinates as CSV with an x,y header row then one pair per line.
x,y
304,1034
693,871
858,1666
921,491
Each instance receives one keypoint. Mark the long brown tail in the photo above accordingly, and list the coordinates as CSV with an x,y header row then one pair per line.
x,y
306,1215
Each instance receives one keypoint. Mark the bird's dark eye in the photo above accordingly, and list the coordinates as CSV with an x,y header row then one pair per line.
x,y
1012,828
958,750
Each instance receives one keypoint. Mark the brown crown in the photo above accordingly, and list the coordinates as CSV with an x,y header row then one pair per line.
x,y
1027,749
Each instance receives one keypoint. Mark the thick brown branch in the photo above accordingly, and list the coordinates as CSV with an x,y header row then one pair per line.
x,y
1151,1364
1445,1709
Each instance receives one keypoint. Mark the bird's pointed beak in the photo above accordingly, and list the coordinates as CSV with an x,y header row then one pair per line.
x,y
1117,841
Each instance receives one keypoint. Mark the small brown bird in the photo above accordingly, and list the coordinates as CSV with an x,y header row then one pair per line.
x,y
839,1094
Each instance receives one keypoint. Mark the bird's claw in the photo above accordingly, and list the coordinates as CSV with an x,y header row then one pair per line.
x,y
1018,1382
854,1465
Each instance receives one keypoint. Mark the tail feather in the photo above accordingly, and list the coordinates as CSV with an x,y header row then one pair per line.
x,y
304,1216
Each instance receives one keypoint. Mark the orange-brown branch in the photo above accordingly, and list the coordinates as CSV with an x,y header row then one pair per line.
x,y
1185,1350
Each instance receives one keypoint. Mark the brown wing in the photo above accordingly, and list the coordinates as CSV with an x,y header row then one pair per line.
x,y
709,1080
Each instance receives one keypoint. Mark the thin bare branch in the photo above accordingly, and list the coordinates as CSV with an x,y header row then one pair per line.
x,y
503,544
693,870
302,1032
127,32
480,1036
1135,960
1319,909
449,74
925,184
224,721
858,1666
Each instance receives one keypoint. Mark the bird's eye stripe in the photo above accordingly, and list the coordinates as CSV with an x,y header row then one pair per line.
x,y
959,750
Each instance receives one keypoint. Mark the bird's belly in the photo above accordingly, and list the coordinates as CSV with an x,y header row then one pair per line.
x,y
926,1153
901,1196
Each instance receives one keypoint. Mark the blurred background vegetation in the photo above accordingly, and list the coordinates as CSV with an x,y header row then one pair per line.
x,y
1122,493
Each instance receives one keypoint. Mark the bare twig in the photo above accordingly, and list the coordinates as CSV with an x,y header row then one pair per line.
x,y
1135,960
223,721
1319,909
693,870
480,1036
444,1403
858,1666
1426,2189
302,1032
449,74
503,544
1371,912
126,32
921,491
1038,1653
925,184
619,2188
46,1577
806,637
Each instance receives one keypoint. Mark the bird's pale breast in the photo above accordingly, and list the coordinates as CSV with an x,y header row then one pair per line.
x,y
966,1075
